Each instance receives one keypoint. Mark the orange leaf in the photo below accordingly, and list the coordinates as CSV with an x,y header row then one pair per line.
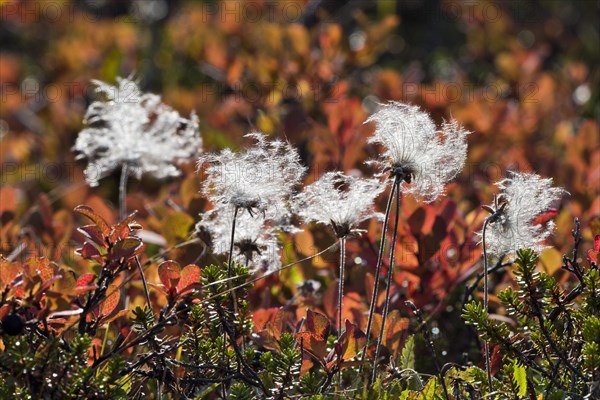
x,y
395,331
96,219
8,203
281,322
262,316
84,284
41,267
4,310
307,363
85,279
314,335
317,324
115,316
113,295
190,277
169,273
353,340
8,271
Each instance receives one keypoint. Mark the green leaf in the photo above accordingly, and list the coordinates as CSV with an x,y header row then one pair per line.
x,y
407,358
520,379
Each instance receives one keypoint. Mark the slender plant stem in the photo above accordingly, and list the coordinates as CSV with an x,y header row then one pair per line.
x,y
341,295
141,271
230,259
386,303
230,262
378,271
122,215
486,345
341,285
123,191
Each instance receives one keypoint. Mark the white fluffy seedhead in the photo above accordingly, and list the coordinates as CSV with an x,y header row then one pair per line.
x,y
338,200
261,178
258,183
526,196
427,157
137,129
255,242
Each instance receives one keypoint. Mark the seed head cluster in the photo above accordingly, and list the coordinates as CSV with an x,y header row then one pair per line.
x,y
256,187
423,157
258,183
136,129
525,196
338,200
260,179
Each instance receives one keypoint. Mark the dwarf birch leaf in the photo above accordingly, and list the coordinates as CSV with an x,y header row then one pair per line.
x,y
169,273
190,276
353,340
113,296
96,219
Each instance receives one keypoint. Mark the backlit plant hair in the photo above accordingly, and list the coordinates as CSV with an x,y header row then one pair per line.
x,y
420,159
512,226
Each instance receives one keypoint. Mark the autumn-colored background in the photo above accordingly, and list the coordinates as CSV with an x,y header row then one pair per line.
x,y
522,76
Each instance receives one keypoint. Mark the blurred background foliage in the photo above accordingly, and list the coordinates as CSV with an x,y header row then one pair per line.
x,y
522,75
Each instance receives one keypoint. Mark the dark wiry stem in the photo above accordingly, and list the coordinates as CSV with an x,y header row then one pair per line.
x,y
341,294
386,303
341,285
141,271
378,270
230,262
486,345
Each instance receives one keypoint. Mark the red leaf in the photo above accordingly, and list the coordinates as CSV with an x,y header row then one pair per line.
x,y
126,248
169,273
96,219
449,211
111,302
190,277
93,233
122,229
597,243
89,251
421,221
85,280
545,216
84,284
